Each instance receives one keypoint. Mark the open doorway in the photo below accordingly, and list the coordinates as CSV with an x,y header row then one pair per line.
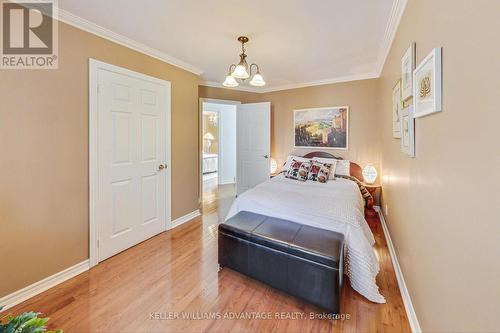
x,y
218,160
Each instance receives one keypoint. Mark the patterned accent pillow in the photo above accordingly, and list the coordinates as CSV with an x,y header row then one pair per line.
x,y
332,161
299,170
319,172
289,160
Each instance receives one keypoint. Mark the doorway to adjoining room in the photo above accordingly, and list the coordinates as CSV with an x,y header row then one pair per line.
x,y
218,164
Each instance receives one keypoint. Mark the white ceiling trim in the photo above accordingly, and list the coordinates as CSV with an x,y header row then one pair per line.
x,y
294,85
397,10
83,24
356,77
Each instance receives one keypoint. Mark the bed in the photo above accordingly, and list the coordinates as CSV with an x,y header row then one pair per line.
x,y
336,205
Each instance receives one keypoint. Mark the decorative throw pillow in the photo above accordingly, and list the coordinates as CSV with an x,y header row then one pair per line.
x,y
319,172
332,161
343,168
289,160
299,170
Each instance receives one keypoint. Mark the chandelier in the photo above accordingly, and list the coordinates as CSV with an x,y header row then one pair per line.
x,y
242,71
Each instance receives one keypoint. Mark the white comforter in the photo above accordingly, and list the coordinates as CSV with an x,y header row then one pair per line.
x,y
336,205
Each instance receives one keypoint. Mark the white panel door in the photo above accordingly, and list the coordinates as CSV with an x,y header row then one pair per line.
x,y
132,154
253,133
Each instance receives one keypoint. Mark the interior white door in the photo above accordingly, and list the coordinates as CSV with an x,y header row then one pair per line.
x,y
227,144
253,133
133,149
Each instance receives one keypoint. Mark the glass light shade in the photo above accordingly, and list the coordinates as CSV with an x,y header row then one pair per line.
x,y
258,80
208,136
274,166
230,82
240,72
369,174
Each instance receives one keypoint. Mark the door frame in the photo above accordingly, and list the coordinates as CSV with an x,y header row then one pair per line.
x,y
200,141
94,67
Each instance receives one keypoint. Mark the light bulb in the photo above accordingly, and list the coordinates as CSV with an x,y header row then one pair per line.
x,y
230,82
369,174
258,80
240,72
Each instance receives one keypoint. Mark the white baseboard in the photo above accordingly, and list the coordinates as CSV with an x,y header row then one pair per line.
x,y
410,311
42,285
183,219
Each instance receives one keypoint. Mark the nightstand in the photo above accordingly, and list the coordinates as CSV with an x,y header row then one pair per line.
x,y
373,189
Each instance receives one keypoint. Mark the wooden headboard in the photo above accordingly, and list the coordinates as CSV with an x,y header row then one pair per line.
x,y
355,169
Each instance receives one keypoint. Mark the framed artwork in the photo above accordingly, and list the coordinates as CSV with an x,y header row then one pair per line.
x,y
322,127
396,110
427,85
408,131
407,67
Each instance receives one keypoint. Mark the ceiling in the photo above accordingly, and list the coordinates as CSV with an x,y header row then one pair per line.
x,y
295,42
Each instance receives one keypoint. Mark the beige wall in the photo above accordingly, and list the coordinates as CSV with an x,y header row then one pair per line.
x,y
444,213
360,96
44,163
227,94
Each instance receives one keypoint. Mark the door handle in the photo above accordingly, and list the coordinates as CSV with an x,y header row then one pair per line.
x,y
266,156
162,166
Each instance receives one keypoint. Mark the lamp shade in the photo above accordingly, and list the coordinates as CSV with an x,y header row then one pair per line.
x,y
258,80
208,136
230,82
369,174
240,72
274,166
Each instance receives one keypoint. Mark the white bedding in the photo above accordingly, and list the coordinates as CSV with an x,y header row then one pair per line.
x,y
336,205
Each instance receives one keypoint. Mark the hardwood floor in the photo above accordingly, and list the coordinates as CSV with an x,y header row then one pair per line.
x,y
151,286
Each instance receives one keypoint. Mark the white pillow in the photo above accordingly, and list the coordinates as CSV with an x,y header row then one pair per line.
x,y
289,161
343,168
332,161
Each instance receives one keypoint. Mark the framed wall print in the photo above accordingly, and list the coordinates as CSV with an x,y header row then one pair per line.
x,y
407,67
396,110
408,131
427,85
322,127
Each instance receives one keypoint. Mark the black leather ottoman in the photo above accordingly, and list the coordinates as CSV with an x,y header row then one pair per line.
x,y
303,261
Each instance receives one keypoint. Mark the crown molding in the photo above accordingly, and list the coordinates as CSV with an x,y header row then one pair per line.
x,y
340,79
398,7
93,28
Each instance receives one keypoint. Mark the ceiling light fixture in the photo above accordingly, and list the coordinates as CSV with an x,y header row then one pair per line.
x,y
242,71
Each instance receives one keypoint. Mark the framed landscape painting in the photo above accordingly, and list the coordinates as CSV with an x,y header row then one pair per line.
x,y
322,127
